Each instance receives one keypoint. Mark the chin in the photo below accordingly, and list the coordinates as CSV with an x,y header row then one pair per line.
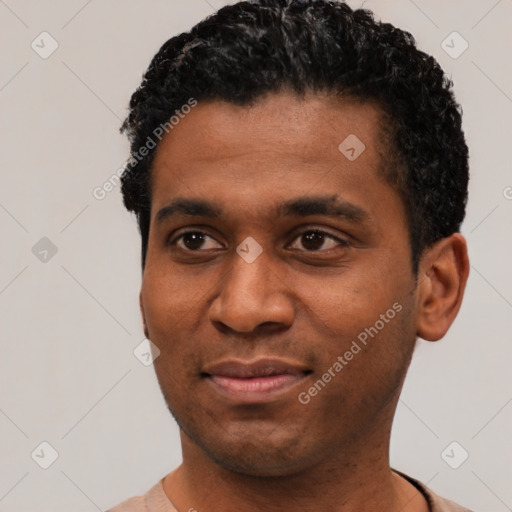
x,y
252,462
255,452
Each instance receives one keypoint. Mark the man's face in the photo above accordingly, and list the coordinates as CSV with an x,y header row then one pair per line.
x,y
335,265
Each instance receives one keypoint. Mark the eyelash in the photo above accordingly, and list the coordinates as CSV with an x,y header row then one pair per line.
x,y
341,241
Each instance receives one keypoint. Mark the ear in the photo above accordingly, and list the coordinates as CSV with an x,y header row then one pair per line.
x,y
442,276
144,324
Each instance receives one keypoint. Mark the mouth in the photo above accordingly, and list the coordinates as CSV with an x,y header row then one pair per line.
x,y
258,381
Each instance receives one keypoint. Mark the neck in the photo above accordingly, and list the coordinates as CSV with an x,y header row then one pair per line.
x,y
347,480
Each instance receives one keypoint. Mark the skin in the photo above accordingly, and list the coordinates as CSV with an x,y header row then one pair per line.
x,y
300,301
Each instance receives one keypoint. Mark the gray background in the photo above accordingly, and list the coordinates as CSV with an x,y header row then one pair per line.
x,y
70,320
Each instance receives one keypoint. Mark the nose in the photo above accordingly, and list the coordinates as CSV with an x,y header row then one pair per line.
x,y
252,296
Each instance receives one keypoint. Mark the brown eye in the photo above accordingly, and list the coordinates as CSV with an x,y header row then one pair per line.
x,y
194,241
315,240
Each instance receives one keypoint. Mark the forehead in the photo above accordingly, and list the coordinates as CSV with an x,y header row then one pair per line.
x,y
306,128
281,147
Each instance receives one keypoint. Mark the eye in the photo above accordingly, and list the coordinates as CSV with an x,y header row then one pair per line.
x,y
316,239
194,240
310,240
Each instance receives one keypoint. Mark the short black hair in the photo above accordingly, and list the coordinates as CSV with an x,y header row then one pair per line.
x,y
252,48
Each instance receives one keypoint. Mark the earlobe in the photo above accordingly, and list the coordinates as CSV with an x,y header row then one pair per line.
x,y
144,324
442,277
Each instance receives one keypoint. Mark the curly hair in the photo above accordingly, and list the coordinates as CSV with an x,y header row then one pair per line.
x,y
255,47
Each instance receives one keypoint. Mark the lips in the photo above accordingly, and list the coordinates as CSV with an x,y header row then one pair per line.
x,y
259,368
254,381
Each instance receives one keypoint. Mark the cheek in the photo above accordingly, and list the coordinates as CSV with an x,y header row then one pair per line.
x,y
167,299
365,319
165,309
365,364
348,302
175,309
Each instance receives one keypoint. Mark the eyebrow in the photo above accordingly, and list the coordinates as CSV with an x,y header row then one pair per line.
x,y
329,206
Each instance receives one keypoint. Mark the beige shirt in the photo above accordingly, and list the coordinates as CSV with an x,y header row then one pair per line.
x,y
155,500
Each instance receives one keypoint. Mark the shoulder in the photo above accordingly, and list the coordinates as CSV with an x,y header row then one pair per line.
x,y
135,504
436,503
440,504
155,500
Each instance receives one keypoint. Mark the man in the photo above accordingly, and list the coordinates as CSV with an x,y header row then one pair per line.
x,y
299,176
